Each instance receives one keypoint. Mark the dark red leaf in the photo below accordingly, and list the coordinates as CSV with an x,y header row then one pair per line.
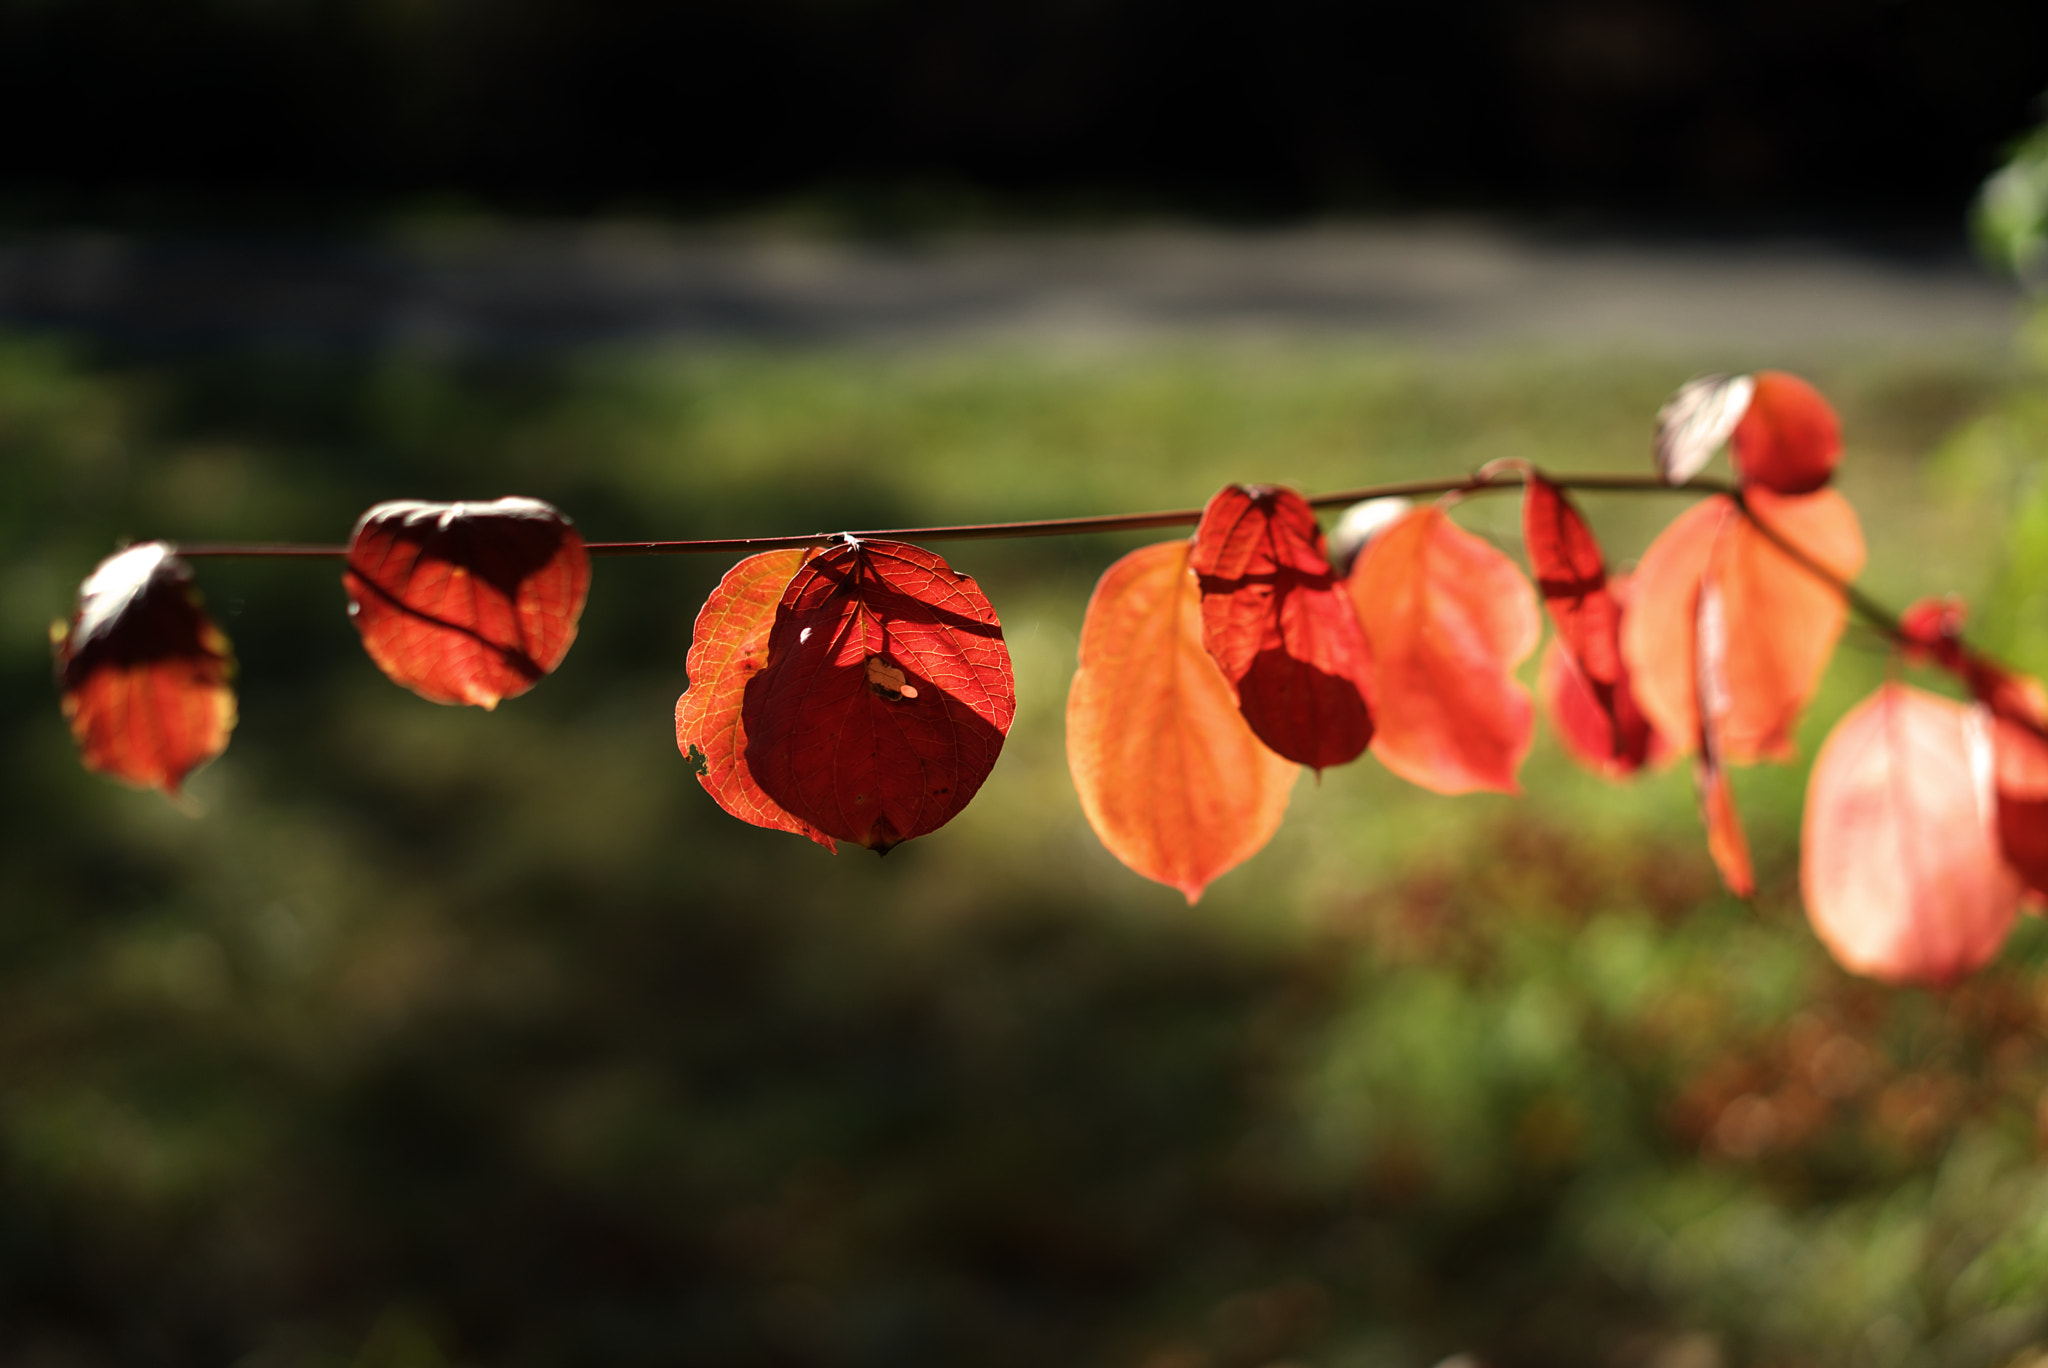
x,y
1571,575
1280,626
1900,862
1789,438
1602,729
1448,618
728,648
886,696
143,672
2018,710
466,602
1168,771
1588,690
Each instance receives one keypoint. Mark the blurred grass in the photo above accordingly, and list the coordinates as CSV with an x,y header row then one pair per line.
x,y
444,1037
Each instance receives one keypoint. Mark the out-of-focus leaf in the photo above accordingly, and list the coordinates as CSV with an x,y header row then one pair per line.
x,y
1725,839
1360,523
1448,617
729,647
2017,708
143,672
1280,628
1694,423
1789,438
1782,620
1584,680
466,602
1900,861
1603,730
1170,775
886,695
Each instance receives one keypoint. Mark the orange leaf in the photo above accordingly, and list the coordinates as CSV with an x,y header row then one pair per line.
x,y
1900,863
886,696
143,671
466,602
1280,629
1725,839
1448,617
728,647
1781,620
1789,438
1170,775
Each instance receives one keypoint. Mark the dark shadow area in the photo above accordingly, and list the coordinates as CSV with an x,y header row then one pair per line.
x,y
888,112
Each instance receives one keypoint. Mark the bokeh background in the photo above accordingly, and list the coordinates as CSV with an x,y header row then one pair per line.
x,y
422,1036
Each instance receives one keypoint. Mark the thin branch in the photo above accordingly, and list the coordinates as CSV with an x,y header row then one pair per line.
x,y
1045,527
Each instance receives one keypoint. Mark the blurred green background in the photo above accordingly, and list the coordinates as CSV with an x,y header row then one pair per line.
x,y
428,1036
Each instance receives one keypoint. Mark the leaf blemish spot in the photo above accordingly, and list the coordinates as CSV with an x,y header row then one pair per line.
x,y
888,681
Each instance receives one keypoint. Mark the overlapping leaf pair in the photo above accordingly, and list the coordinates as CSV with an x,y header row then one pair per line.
x,y
1210,668
461,603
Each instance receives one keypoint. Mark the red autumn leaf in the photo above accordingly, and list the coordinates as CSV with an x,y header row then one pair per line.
x,y
1789,438
143,672
1725,839
1782,620
1931,631
1170,775
1900,861
886,695
1695,422
2017,707
1571,575
728,647
1280,627
466,602
1605,731
1448,617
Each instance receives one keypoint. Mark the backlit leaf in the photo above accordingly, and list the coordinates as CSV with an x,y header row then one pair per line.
x,y
1448,617
1725,839
1603,729
1900,862
728,648
2017,707
886,695
1584,681
1169,773
1789,438
1695,422
466,602
1782,620
1280,628
143,672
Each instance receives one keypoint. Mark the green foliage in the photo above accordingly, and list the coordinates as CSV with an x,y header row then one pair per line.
x,y
452,1038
